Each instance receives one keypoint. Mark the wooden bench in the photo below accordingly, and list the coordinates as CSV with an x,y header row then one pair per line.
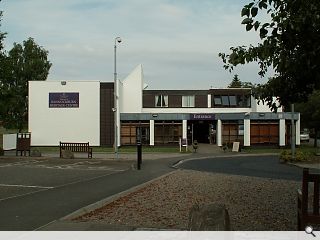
x,y
308,214
76,147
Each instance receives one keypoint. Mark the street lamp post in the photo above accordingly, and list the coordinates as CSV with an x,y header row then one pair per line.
x,y
115,90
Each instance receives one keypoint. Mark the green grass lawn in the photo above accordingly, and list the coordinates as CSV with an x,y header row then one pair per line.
x,y
124,149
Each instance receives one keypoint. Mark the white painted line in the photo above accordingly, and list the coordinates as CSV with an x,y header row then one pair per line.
x,y
25,186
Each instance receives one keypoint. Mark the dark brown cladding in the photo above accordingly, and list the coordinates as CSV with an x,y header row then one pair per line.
x,y
106,114
148,100
175,101
201,101
175,97
176,92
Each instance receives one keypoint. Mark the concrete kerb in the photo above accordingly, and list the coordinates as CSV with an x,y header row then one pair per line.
x,y
176,165
102,202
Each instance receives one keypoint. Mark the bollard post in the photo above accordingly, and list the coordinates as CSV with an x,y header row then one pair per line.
x,y
139,154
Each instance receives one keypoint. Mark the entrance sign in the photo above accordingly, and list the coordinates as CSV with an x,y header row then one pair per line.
x,y
201,116
64,100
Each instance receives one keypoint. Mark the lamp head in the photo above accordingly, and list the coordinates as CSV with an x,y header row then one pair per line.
x,y
118,39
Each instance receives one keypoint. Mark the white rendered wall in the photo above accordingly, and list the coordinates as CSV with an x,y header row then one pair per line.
x,y
209,100
48,126
219,133
184,128
297,124
246,130
262,107
131,92
282,132
151,132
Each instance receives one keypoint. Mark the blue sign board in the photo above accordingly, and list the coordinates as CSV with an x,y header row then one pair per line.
x,y
64,100
201,116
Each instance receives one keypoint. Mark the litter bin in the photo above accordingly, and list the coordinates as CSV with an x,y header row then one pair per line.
x,y
23,143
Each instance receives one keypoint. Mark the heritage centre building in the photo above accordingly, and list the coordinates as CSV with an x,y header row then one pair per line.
x,y
85,111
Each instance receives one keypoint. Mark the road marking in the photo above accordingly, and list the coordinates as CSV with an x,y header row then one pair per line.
x,y
71,166
25,186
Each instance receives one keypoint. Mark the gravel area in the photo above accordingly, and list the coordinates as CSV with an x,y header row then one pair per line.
x,y
253,203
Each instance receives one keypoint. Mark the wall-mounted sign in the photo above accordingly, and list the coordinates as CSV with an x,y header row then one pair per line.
x,y
202,116
64,100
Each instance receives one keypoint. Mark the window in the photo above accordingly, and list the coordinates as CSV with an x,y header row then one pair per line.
x,y
244,101
129,132
187,101
233,100
232,131
225,100
162,101
217,100
166,132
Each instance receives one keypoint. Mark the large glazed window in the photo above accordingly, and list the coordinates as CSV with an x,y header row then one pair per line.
x,y
161,100
187,101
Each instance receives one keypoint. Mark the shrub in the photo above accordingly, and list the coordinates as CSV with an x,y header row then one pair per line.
x,y
285,156
1,151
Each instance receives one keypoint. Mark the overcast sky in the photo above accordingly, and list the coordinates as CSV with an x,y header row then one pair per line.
x,y
176,41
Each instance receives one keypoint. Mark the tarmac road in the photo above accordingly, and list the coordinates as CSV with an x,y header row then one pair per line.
x,y
34,194
266,166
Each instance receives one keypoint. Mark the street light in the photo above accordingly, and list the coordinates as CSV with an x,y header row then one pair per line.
x,y
115,90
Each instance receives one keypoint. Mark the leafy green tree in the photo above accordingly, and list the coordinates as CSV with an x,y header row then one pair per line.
x,y
310,113
2,68
237,83
24,62
290,44
2,55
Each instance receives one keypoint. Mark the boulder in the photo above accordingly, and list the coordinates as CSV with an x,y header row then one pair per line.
x,y
209,217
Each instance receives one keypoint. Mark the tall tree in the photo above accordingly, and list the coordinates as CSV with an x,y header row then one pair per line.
x,y
25,62
290,44
310,113
236,83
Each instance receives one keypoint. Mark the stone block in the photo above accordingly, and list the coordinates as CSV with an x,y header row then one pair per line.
x,y
209,217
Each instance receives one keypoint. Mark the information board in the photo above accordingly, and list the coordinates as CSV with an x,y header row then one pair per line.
x,y
64,100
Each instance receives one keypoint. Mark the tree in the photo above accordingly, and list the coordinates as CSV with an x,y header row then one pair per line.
x,y
23,63
2,68
2,55
310,113
236,83
2,36
290,44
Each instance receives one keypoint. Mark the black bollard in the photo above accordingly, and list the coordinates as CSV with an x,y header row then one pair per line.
x,y
139,155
